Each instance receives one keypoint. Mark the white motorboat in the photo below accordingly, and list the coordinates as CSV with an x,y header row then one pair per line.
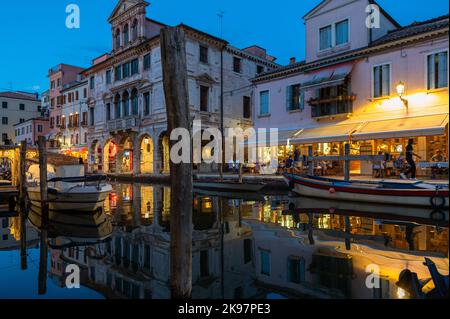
x,y
67,193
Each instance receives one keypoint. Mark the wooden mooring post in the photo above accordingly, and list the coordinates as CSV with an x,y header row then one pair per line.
x,y
23,205
173,54
347,162
310,162
44,216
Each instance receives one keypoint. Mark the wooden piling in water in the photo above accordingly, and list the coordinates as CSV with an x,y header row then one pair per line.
x,y
241,173
347,162
44,216
310,163
23,205
173,54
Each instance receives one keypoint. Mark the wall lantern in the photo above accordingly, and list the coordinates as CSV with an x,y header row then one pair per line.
x,y
401,92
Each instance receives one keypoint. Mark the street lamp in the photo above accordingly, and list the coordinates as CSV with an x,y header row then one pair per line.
x,y
401,92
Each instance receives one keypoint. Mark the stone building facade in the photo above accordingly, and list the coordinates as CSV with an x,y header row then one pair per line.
x,y
74,122
127,115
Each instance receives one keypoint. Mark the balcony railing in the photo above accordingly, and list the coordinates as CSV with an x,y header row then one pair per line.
x,y
129,123
330,106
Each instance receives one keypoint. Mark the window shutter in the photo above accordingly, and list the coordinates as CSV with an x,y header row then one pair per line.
x,y
376,82
386,80
288,98
302,99
443,70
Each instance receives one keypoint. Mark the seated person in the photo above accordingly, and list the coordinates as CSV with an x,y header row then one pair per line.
x,y
379,167
438,157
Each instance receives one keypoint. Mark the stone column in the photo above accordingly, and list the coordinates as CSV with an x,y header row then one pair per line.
x,y
118,164
157,161
90,155
136,156
130,102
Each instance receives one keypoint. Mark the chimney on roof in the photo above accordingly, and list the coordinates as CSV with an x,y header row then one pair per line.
x,y
256,50
292,61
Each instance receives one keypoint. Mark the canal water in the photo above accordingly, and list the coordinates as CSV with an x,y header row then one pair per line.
x,y
244,246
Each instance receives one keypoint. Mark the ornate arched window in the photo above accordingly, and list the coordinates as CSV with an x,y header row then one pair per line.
x,y
134,102
117,106
126,35
134,30
117,39
125,104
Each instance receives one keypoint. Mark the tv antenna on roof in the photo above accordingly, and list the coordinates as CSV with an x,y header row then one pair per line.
x,y
220,14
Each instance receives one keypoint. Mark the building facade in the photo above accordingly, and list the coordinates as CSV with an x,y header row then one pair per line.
x,y
31,129
59,76
127,115
73,133
16,107
371,87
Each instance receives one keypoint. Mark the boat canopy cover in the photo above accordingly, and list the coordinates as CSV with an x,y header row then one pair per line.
x,y
429,125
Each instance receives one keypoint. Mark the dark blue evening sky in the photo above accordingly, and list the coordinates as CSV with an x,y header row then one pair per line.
x,y
34,37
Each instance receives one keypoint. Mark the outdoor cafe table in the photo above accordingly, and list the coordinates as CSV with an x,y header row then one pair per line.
x,y
424,165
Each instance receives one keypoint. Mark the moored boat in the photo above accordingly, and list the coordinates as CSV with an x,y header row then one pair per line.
x,y
393,192
79,193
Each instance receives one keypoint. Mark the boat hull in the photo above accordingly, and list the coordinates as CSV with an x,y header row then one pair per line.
x,y
338,190
231,187
81,199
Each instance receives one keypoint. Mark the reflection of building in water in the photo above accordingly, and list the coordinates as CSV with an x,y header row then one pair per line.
x,y
10,234
61,257
137,262
328,254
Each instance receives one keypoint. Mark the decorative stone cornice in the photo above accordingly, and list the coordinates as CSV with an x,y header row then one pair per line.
x,y
123,56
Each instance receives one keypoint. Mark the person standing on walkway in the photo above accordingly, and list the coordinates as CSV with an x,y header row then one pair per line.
x,y
410,159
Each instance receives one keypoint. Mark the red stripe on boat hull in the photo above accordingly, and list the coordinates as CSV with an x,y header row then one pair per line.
x,y
384,192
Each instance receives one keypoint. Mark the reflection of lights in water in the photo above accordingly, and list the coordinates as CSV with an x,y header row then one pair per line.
x,y
207,205
401,293
113,199
324,221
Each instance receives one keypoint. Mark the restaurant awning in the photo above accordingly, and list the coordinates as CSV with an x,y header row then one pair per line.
x,y
327,77
283,137
429,125
325,134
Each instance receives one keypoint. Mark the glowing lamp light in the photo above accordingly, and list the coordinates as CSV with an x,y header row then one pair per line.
x,y
400,88
401,293
401,92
